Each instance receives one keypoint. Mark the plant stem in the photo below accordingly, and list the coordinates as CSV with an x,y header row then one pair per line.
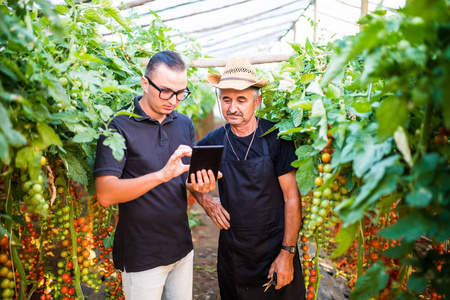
x,y
316,266
73,234
360,262
423,142
8,227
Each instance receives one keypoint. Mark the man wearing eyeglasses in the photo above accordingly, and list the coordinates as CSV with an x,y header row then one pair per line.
x,y
152,243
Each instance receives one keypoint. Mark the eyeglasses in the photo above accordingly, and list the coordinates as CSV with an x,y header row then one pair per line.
x,y
167,94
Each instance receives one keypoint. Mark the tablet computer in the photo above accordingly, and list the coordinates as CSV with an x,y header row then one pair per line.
x,y
205,158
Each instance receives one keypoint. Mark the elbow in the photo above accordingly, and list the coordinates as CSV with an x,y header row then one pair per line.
x,y
103,200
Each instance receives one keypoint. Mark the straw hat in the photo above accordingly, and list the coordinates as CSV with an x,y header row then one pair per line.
x,y
238,74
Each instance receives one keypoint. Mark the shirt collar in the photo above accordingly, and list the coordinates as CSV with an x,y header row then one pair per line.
x,y
143,116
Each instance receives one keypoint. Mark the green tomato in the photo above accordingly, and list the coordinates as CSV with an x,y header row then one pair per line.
x,y
314,209
316,201
63,81
36,199
317,193
336,196
327,193
27,186
5,283
325,204
4,271
327,176
323,212
343,190
37,188
327,168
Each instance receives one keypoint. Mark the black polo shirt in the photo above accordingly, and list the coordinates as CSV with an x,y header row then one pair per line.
x,y
153,230
282,152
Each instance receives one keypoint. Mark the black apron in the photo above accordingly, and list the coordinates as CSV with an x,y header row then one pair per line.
x,y
251,193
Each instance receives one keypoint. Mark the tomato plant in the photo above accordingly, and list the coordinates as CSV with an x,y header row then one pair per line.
x,y
369,116
61,84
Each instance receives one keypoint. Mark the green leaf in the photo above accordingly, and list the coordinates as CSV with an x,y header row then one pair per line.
x,y
306,174
85,136
362,105
333,92
297,116
399,251
114,12
4,148
406,296
345,239
307,78
421,197
391,114
314,88
24,156
122,88
401,140
105,112
92,15
305,104
298,63
13,136
40,112
108,241
48,136
90,57
319,118
411,227
417,282
62,9
373,281
305,151
117,144
75,168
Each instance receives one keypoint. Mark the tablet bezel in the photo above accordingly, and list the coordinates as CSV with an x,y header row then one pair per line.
x,y
206,157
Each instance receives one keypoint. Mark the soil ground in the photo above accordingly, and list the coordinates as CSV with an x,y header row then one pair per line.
x,y
205,257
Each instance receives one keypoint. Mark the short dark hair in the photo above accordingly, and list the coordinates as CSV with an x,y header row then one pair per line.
x,y
170,58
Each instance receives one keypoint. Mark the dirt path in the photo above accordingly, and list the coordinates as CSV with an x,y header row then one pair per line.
x,y
205,258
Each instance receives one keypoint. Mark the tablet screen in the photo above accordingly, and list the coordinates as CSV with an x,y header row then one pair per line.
x,y
205,158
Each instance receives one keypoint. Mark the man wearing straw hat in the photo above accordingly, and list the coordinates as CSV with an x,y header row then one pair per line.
x,y
259,208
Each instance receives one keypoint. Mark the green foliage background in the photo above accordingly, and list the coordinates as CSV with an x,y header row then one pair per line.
x,y
384,96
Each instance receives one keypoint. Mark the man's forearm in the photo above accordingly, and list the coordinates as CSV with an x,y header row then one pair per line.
x,y
292,221
112,190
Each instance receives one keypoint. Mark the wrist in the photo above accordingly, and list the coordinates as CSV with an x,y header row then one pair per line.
x,y
289,249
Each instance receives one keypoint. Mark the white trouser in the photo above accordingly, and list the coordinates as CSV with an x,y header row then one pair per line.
x,y
172,282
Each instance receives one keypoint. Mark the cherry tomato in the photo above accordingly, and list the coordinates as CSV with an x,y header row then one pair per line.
x,y
326,157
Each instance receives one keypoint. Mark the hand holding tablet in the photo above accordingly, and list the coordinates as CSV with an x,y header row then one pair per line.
x,y
205,158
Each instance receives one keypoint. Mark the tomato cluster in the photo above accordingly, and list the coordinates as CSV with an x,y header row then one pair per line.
x,y
6,274
320,218
63,242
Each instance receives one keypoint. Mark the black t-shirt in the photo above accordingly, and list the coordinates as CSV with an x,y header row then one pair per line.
x,y
282,152
153,230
